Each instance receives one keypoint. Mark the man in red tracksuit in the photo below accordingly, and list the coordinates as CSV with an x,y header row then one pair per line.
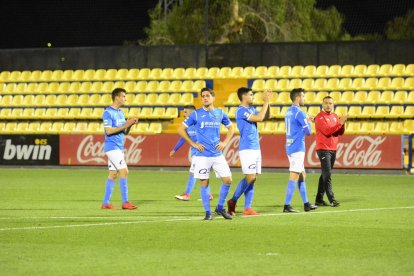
x,y
328,129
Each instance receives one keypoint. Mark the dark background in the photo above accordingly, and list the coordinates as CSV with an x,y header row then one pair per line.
x,y
32,24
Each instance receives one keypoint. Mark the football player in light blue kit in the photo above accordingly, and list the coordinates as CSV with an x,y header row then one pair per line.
x,y
188,109
207,121
298,124
247,117
116,127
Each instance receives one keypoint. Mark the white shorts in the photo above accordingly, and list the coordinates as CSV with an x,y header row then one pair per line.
x,y
192,165
297,162
116,160
203,165
251,161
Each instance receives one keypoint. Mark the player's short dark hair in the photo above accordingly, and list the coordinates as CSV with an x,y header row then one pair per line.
x,y
116,92
296,93
192,107
207,89
327,97
242,91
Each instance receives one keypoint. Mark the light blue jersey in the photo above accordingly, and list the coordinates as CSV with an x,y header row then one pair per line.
x,y
113,118
207,126
296,127
193,136
249,135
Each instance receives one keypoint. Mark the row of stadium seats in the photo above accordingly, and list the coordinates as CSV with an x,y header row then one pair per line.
x,y
347,97
385,112
385,83
95,100
84,113
249,72
101,87
61,127
364,127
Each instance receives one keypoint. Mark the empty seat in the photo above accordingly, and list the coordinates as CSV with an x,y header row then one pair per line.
x,y
175,86
322,71
396,128
313,110
155,74
372,70
177,74
367,128
248,72
282,85
386,97
97,113
319,84
146,113
50,113
258,85
131,74
86,113
352,127
144,74
163,86
284,72
17,100
5,113
334,71
347,97
381,112
69,127
346,71
78,75
384,84
294,83
186,99
198,85
74,113
360,97
396,111
62,113
57,127
257,99
408,127
380,128
354,111
400,97
260,72
45,127
4,76
67,75
61,100
398,70
385,70
224,73
108,86
341,110
369,84
359,70
408,112
151,99
28,113
409,70
162,99
16,113
367,112
155,128
74,88
189,73
232,99
99,75
373,97
39,113
83,100
201,73
408,84
174,99
33,128
171,113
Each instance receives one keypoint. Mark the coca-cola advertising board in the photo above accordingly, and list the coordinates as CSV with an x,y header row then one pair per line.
x,y
354,152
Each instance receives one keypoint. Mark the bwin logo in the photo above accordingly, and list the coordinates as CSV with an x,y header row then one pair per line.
x,y
26,152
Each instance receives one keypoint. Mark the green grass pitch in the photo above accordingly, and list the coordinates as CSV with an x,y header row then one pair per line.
x,y
51,224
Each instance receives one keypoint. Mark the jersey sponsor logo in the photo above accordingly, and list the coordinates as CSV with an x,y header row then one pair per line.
x,y
39,151
210,124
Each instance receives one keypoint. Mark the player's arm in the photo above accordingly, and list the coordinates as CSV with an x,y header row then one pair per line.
x,y
226,121
177,146
305,123
112,130
181,131
261,115
322,126
128,129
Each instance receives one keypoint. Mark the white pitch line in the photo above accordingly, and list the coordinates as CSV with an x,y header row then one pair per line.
x,y
195,219
96,217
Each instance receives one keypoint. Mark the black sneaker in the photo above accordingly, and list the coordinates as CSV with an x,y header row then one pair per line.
x,y
321,203
208,216
223,213
335,203
309,207
289,209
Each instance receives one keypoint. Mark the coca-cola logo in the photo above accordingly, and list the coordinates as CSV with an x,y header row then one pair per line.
x,y
362,151
90,151
231,151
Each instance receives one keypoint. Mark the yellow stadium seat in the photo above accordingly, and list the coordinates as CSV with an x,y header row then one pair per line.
x,y
4,76
336,96
74,88
17,100
28,100
130,86
61,100
110,74
341,110
284,98
213,73
16,113
309,71
155,128
141,86
248,72
260,72
369,84
74,113
284,72
282,85
139,99
296,72
232,99
187,99
310,97
408,84
133,112
270,85
385,70
272,72
294,83
57,127
354,111
319,84
360,97
347,97
72,100
83,100
281,128
86,87
396,111
171,113
69,127
22,127
198,85
359,70
367,112
28,113
62,113
334,71
162,99
231,112
146,113
10,128
132,74
89,75
39,113
33,128
257,99
190,74
5,113
372,70
163,86
106,100
6,100
332,84
166,74
367,127
10,88
345,84
155,74
14,76
409,70
175,86
187,86
398,70
63,87
410,97
313,110
21,88
96,87
322,71
25,76
86,113
358,84
380,128
50,113
152,86
224,73
400,97
201,73
381,112
141,128
144,74
107,87
408,112
352,128
178,74
396,128
99,75
97,113
386,97
308,84
373,97
346,71
174,99
151,99
237,72
35,76
408,126
258,85
41,88
78,75
81,127
130,98
67,75
384,84
274,112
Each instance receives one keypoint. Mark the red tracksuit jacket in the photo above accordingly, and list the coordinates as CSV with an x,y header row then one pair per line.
x,y
328,130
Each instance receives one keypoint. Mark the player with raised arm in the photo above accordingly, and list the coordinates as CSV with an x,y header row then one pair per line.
x,y
209,155
116,127
298,124
247,117
188,109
